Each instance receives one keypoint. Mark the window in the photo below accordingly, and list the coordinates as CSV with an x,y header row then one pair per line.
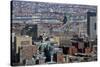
x,y
25,42
94,26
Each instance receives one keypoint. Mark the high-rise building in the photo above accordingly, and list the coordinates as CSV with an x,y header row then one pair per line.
x,y
30,30
91,25
27,52
22,40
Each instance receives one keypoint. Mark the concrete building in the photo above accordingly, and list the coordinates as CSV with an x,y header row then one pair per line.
x,y
56,40
30,30
88,50
27,52
72,50
60,58
22,40
91,25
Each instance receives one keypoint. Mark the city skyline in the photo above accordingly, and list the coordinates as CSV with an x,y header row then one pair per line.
x,y
52,33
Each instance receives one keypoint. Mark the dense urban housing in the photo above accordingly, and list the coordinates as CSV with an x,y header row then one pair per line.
x,y
52,33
